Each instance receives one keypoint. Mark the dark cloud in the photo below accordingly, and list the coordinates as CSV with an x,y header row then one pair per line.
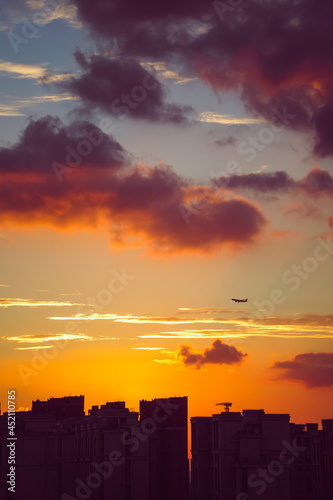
x,y
276,54
311,369
219,354
47,177
316,183
265,182
47,139
149,28
123,88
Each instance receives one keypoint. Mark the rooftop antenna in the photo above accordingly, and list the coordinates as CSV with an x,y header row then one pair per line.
x,y
226,406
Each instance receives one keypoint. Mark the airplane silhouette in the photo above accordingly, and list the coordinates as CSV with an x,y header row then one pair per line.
x,y
239,300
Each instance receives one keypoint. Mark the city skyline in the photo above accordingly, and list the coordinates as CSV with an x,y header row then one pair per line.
x,y
62,453
157,163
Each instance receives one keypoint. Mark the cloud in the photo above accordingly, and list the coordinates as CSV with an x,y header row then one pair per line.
x,y
149,348
15,107
46,140
265,182
275,57
316,183
130,318
122,88
152,28
50,337
64,11
212,117
284,328
310,320
50,77
309,326
34,348
167,74
311,369
220,354
35,339
207,310
10,110
18,70
32,72
7,302
78,176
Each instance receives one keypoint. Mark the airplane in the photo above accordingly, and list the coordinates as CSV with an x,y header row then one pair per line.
x,y
239,300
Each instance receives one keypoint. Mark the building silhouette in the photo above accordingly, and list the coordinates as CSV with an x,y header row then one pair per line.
x,y
168,448
111,453
250,455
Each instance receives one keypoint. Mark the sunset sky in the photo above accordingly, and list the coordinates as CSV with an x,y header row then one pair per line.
x,y
158,159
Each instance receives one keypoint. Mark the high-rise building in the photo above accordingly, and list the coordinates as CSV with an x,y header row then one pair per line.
x,y
249,455
63,454
237,456
327,458
168,447
306,482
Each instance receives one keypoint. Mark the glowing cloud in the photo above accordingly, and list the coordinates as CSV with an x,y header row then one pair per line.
x,y
7,302
211,117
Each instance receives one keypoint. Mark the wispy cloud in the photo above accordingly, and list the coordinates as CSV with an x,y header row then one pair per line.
x,y
210,310
166,361
222,334
34,348
129,318
167,74
18,70
297,327
15,107
10,110
54,338
16,302
65,11
32,72
49,78
148,348
36,339
212,117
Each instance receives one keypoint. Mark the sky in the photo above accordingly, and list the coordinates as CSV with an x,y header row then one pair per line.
x,y
158,160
